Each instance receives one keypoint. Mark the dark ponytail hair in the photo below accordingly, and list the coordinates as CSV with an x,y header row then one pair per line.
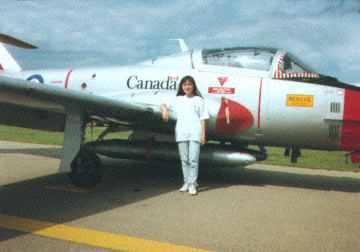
x,y
189,78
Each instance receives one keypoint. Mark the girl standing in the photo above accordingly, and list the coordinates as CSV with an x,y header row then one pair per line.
x,y
190,130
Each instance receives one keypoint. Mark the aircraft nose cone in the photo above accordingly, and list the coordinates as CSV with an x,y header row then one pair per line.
x,y
233,118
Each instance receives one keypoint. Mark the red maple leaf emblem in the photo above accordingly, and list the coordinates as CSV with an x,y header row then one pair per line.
x,y
222,80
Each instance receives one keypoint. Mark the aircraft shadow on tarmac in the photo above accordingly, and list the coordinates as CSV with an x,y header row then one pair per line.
x,y
126,182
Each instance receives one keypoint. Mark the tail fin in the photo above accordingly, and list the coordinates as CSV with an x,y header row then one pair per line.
x,y
7,62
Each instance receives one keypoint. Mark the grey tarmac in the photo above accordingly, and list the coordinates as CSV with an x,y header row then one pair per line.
x,y
258,208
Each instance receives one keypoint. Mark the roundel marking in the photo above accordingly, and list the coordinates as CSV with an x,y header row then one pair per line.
x,y
36,78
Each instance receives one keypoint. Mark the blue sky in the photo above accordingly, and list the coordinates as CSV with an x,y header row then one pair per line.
x,y
323,33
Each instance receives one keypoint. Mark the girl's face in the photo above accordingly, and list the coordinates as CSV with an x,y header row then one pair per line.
x,y
188,88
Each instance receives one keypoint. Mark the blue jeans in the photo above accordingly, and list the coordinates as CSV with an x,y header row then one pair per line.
x,y
189,154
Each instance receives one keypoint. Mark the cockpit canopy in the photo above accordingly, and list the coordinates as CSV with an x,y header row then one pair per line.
x,y
279,64
240,57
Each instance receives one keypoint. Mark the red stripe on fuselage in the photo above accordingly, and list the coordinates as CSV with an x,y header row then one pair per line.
x,y
67,78
259,104
350,137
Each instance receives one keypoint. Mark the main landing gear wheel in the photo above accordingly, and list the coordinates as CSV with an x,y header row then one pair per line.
x,y
86,169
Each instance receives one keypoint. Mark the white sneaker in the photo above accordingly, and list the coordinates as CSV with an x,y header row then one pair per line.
x,y
184,188
192,190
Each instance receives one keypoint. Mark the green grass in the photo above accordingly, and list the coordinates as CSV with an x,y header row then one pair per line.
x,y
30,136
314,159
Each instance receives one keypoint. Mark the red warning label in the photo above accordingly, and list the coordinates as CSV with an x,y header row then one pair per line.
x,y
222,80
221,90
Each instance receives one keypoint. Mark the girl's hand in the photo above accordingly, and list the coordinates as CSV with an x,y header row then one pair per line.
x,y
203,132
202,140
164,113
165,116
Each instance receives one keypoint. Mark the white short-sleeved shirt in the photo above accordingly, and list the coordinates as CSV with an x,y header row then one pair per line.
x,y
189,113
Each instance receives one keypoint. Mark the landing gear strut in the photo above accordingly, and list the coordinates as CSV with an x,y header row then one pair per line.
x,y
86,169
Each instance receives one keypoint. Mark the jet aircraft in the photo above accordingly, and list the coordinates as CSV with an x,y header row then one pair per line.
x,y
257,96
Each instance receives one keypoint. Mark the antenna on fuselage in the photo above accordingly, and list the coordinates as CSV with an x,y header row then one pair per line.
x,y
182,44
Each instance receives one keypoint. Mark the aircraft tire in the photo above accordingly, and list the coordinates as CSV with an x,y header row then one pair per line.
x,y
86,169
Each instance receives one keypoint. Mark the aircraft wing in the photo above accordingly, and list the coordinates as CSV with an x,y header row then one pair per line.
x,y
40,106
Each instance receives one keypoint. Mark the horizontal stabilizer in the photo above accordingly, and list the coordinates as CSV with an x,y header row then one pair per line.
x,y
6,39
7,61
